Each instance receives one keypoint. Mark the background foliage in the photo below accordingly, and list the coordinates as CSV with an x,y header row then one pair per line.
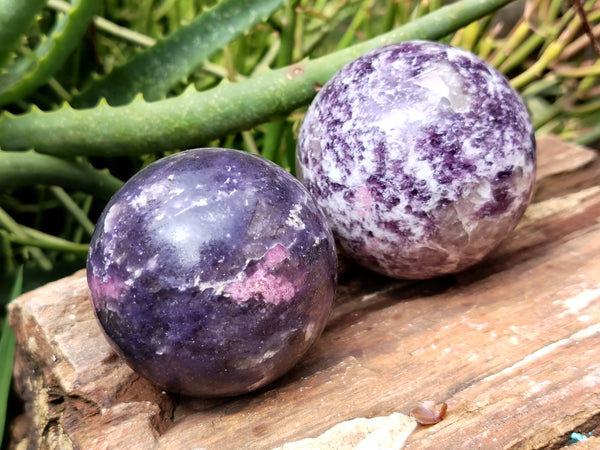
x,y
92,91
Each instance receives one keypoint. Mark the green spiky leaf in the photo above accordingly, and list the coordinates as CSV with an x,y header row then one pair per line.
x,y
155,71
193,118
15,17
26,74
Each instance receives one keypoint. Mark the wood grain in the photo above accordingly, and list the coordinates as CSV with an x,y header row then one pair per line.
x,y
512,345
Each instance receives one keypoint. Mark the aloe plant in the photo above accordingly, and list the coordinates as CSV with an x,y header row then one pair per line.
x,y
155,71
27,73
15,18
194,118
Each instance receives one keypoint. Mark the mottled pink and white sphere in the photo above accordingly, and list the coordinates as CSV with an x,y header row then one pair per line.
x,y
212,272
421,155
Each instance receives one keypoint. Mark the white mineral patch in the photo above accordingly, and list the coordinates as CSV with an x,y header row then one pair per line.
x,y
535,386
269,354
139,201
180,234
444,83
309,333
175,192
112,217
156,191
217,286
378,433
578,303
277,345
334,172
172,234
192,205
294,219
403,118
225,194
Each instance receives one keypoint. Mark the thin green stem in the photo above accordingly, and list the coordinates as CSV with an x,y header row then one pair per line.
x,y
87,206
579,72
78,214
17,230
550,81
108,27
518,48
403,12
60,91
542,112
355,24
579,44
249,143
389,16
471,35
186,10
434,4
549,55
274,133
267,59
38,239
313,40
585,109
162,9
590,136
551,127
141,20
587,84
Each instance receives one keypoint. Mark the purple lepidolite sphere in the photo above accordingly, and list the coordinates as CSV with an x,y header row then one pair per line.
x,y
421,155
212,271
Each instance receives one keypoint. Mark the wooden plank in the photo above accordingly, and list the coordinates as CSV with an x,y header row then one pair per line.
x,y
511,345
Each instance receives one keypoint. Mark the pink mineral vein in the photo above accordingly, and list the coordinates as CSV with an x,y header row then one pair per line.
x,y
270,288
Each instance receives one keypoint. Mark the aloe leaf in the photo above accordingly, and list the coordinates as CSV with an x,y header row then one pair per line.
x,y
18,169
7,354
15,17
193,118
156,70
26,74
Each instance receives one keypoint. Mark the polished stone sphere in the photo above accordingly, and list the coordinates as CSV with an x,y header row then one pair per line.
x,y
212,271
421,155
